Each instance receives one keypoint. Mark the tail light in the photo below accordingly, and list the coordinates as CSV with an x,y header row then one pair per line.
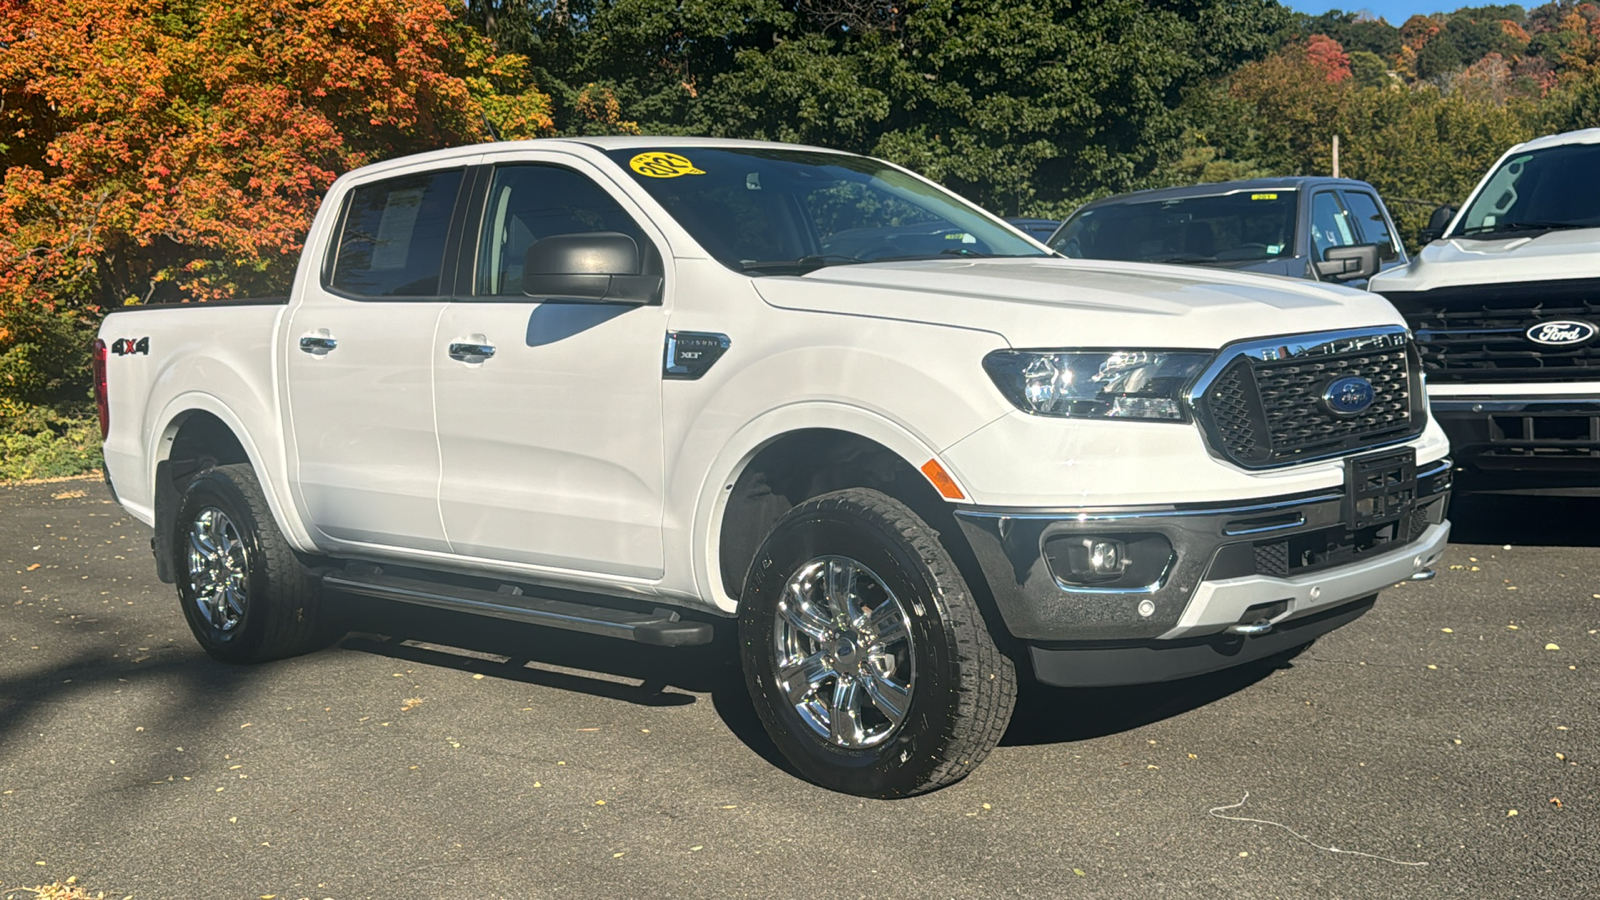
x,y
100,399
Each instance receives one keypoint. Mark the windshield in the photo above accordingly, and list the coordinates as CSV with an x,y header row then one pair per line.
x,y
1234,227
787,212
1541,190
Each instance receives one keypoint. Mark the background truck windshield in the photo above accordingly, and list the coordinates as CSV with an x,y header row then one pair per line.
x,y
786,212
1539,191
1238,226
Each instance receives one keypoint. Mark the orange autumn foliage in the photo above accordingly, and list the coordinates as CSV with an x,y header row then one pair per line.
x,y
177,149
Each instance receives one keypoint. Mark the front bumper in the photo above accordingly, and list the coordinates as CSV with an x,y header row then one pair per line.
x,y
1534,434
1273,561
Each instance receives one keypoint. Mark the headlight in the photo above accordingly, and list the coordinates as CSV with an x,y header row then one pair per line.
x,y
1096,384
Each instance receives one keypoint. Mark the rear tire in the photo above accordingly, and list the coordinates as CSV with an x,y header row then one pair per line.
x,y
864,652
244,593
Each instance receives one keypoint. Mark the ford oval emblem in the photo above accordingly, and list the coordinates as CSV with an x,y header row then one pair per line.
x,y
1348,396
1565,333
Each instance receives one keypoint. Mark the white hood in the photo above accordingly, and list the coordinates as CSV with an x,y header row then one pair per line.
x,y
1554,255
1083,303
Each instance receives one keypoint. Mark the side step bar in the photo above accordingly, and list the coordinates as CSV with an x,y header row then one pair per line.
x,y
660,627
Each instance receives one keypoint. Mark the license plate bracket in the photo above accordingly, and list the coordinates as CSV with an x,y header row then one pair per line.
x,y
1379,488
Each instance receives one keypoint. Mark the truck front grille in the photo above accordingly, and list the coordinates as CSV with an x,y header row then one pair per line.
x,y
1479,333
1266,406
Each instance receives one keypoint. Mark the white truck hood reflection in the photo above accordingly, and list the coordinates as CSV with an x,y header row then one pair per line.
x,y
1549,256
1082,303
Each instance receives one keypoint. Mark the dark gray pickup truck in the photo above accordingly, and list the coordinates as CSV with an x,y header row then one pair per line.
x,y
1325,229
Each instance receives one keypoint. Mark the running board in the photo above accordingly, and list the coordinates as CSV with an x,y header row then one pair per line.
x,y
660,627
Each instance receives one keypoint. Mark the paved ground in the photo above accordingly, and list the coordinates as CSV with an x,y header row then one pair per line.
x,y
458,759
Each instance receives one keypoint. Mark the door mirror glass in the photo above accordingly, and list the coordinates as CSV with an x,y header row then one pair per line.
x,y
593,267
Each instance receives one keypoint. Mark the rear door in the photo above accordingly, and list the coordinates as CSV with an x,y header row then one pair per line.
x,y
551,441
359,364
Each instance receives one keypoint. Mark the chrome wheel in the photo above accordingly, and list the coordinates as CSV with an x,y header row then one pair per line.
x,y
843,650
217,569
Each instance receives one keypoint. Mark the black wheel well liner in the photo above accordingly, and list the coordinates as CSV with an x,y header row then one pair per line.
x,y
798,465
200,441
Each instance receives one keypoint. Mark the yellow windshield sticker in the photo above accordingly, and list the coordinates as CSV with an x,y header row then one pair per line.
x,y
1263,196
658,164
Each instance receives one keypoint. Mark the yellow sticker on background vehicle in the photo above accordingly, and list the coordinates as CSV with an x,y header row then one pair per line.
x,y
659,164
1263,196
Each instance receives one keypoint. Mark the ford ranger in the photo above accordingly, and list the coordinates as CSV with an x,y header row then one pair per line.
x,y
639,387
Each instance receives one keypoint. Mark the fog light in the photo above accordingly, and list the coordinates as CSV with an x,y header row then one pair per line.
x,y
1124,561
1098,559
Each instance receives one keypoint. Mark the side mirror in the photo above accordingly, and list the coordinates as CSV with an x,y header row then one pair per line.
x,y
1350,263
1437,223
594,267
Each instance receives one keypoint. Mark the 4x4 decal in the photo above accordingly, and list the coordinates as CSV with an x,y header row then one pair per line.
x,y
125,346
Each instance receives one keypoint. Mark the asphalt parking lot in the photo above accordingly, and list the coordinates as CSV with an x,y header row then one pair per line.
x,y
1451,733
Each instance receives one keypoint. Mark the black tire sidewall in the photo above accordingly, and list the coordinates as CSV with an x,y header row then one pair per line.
x,y
900,765
214,488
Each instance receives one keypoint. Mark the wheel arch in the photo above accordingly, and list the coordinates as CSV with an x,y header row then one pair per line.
x,y
791,455
199,431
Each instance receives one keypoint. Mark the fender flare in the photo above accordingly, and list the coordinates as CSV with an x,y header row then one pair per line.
x,y
755,436
179,407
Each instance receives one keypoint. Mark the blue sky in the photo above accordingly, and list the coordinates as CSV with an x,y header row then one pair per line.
x,y
1396,11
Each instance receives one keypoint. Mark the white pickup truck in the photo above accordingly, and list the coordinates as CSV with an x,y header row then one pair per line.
x,y
1505,306
639,386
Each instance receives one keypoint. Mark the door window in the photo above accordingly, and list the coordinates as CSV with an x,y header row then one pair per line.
x,y
392,240
1330,224
1374,225
530,202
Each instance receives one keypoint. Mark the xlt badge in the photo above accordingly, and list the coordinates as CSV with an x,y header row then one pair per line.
x,y
691,353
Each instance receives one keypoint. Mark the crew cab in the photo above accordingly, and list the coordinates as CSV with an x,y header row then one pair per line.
x,y
653,387
1323,229
1505,305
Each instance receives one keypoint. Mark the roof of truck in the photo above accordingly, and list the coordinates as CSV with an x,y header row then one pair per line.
x,y
1286,183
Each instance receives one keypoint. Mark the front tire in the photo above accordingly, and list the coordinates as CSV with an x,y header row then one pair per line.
x,y
866,656
244,593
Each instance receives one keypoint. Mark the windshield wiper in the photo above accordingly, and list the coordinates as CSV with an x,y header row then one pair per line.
x,y
1180,258
799,266
1499,227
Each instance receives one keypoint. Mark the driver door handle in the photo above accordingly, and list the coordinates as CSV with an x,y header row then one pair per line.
x,y
471,353
318,344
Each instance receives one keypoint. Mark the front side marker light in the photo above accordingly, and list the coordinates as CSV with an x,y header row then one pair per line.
x,y
941,481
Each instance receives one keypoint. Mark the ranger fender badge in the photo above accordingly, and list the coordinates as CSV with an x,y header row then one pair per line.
x,y
1348,396
691,353
125,346
1564,333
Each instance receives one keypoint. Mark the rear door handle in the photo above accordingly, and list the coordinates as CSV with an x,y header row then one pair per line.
x,y
471,353
318,344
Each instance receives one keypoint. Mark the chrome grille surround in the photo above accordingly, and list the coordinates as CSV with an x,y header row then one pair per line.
x,y
1259,402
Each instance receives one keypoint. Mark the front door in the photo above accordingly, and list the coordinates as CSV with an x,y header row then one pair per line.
x,y
359,367
549,414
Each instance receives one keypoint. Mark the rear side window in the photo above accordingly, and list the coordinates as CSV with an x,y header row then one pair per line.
x,y
1374,227
392,240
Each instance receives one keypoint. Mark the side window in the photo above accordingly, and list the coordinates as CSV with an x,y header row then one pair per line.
x,y
1330,224
530,202
1374,227
392,240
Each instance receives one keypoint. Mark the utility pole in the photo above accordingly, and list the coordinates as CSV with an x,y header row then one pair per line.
x,y
1336,156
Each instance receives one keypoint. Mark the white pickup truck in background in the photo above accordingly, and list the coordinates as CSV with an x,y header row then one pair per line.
x,y
639,386
1505,306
